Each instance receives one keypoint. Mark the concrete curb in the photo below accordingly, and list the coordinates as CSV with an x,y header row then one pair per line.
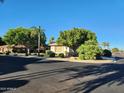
x,y
80,61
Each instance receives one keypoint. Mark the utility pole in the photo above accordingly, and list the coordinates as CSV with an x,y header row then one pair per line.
x,y
39,40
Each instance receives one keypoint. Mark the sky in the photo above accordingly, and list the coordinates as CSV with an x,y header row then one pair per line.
x,y
104,17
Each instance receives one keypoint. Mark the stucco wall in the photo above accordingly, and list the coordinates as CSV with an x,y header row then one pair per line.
x,y
59,49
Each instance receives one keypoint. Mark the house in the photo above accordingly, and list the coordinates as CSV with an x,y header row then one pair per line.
x,y
19,48
59,48
5,48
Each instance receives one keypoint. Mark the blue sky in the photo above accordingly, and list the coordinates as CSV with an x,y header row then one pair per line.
x,y
104,17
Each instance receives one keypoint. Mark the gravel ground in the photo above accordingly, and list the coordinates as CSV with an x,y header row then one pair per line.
x,y
37,75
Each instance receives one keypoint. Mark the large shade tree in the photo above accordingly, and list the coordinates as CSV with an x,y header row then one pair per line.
x,y
51,39
25,36
75,37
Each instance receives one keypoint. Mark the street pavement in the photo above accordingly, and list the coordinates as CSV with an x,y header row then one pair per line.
x,y
38,75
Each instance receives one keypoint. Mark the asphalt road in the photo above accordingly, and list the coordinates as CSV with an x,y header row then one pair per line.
x,y
37,75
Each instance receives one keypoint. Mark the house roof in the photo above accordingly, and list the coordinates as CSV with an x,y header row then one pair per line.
x,y
4,46
55,44
19,46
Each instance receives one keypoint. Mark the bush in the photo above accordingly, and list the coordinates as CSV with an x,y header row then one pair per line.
x,y
81,56
26,54
107,53
42,55
50,53
114,50
89,51
61,55
19,50
7,53
1,53
15,55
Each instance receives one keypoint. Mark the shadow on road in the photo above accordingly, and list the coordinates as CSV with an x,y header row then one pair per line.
x,y
12,64
105,74
11,85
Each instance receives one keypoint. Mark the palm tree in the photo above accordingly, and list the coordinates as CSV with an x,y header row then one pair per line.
x,y
105,45
51,39
41,35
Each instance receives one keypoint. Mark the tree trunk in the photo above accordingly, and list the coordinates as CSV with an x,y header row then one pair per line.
x,y
75,52
28,52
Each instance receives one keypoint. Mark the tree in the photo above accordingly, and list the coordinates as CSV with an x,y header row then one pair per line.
x,y
105,45
107,53
2,42
40,31
75,37
115,50
24,36
90,50
51,39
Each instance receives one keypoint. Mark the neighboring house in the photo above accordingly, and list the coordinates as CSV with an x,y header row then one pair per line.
x,y
5,48
57,48
19,48
118,54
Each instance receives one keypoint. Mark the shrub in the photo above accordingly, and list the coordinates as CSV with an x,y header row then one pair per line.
x,y
18,50
26,54
15,55
7,53
81,56
1,53
41,55
107,53
114,50
50,53
89,50
61,55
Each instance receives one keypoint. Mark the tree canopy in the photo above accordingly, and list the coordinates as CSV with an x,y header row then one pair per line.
x,y
24,36
51,39
75,37
105,45
115,50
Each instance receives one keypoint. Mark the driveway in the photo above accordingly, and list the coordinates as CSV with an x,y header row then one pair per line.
x,y
37,75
